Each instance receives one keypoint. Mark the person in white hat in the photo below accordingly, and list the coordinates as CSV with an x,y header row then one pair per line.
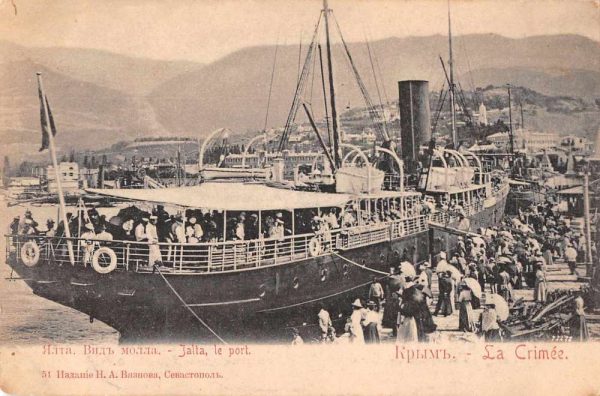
x,y
88,246
356,331
154,255
140,229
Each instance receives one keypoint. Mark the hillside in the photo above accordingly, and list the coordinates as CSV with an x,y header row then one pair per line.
x,y
232,91
99,98
86,115
134,76
554,82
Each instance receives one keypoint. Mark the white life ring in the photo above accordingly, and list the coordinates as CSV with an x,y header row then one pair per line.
x,y
314,246
30,254
102,268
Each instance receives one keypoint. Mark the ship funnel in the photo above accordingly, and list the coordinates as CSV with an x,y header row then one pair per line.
x,y
415,124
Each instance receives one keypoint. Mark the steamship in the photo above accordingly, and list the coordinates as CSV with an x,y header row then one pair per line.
x,y
262,286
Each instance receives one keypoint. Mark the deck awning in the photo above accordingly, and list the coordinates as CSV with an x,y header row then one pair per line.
x,y
229,196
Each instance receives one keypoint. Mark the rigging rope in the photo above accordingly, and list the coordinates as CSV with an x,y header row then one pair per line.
x,y
271,84
441,99
361,266
373,113
329,132
376,82
187,306
299,91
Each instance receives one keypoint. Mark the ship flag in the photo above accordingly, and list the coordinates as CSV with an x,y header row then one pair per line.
x,y
47,124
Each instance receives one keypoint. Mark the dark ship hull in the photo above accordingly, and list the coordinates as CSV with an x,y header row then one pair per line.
x,y
487,217
258,304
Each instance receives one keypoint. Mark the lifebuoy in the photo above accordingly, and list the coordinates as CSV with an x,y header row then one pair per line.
x,y
314,246
30,254
102,267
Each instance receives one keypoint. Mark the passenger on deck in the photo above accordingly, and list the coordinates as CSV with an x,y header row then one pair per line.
x,y
194,231
349,220
88,244
50,230
60,230
177,233
211,228
251,227
140,229
14,226
154,255
332,219
240,232
128,230
104,235
269,225
278,229
163,222
29,228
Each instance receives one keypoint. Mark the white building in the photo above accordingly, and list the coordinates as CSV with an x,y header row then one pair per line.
x,y
530,141
69,172
576,143
482,114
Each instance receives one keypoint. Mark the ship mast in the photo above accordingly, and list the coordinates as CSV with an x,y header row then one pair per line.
x,y
452,86
510,128
334,122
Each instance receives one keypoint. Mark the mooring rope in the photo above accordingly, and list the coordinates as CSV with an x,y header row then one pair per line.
x,y
361,266
187,306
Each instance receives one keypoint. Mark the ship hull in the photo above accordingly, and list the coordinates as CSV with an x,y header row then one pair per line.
x,y
257,304
487,217
260,304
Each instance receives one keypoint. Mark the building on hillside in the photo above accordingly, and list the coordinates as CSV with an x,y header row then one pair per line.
x,y
576,143
482,116
17,186
291,159
525,140
69,172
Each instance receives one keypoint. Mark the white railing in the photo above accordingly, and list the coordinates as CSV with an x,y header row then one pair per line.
x,y
218,256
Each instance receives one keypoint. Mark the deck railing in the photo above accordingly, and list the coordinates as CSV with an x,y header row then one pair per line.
x,y
216,256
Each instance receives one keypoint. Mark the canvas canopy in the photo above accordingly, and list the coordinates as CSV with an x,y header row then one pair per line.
x,y
229,196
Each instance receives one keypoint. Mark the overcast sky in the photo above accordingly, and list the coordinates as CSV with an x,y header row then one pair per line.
x,y
204,30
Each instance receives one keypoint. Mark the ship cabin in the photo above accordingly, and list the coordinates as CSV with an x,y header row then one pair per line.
x,y
256,225
456,183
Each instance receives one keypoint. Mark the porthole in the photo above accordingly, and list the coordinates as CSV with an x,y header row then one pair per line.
x,y
345,269
296,283
262,291
324,273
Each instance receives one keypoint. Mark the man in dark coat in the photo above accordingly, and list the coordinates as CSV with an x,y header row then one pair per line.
x,y
444,305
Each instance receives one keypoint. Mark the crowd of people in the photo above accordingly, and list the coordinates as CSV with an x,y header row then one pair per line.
x,y
483,271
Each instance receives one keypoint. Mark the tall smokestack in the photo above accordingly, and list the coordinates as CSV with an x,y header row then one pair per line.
x,y
415,123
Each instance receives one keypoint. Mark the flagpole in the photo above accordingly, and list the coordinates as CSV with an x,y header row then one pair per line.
x,y
61,198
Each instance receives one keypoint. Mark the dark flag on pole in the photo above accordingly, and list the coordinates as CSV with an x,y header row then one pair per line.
x,y
46,123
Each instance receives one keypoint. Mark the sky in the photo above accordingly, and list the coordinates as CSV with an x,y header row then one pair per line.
x,y
205,30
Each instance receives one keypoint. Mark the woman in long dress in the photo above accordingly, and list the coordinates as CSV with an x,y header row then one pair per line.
x,y
466,318
407,324
540,289
578,325
356,331
371,324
